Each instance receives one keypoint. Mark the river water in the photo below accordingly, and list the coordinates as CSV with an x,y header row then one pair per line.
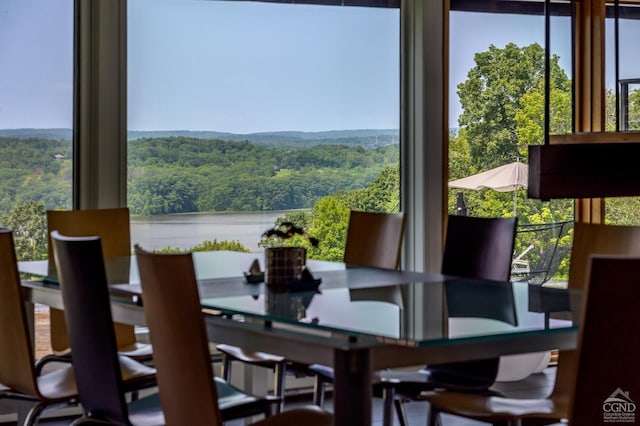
x,y
187,230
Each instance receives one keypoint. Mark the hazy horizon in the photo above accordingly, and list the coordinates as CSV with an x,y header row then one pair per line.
x,y
242,67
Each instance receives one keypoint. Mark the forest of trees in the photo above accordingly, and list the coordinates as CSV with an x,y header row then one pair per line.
x,y
35,169
502,102
178,174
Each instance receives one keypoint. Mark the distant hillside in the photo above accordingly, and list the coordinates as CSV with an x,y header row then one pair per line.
x,y
288,139
284,139
56,134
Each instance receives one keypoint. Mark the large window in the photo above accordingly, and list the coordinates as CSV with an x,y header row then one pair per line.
x,y
497,109
623,95
36,115
243,112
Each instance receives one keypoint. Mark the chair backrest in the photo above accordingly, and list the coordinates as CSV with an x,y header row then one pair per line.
x,y
179,338
16,350
374,239
112,226
590,239
85,294
609,325
480,248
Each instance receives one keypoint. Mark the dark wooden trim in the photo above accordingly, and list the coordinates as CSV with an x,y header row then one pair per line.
x,y
584,170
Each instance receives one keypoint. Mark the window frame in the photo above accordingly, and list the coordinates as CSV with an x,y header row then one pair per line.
x,y
100,108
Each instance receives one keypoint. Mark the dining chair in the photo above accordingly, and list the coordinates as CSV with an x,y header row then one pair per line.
x,y
18,375
373,239
479,248
588,240
601,391
102,375
178,333
112,225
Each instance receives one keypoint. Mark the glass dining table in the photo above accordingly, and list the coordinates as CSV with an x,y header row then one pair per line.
x,y
358,320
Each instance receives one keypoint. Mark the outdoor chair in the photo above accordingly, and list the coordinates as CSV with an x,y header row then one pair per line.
x,y
112,225
588,240
373,239
23,386
540,251
178,334
612,294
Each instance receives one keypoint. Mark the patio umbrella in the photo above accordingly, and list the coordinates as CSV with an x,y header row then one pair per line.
x,y
509,177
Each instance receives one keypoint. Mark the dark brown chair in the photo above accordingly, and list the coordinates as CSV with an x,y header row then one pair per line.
x,y
178,334
102,376
588,240
610,313
52,390
112,226
478,248
373,239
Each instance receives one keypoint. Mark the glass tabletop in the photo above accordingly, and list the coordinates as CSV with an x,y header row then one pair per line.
x,y
398,307
208,265
412,314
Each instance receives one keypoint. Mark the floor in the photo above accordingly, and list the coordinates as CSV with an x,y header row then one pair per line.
x,y
537,385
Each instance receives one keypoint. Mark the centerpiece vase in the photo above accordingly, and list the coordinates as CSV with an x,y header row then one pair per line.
x,y
284,265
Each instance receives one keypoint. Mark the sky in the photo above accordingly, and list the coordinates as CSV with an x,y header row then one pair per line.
x,y
36,63
262,66
244,67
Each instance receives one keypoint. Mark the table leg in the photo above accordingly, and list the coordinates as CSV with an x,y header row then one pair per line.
x,y
31,322
352,391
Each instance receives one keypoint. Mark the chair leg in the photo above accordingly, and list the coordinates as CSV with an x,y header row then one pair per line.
x,y
33,415
434,417
401,413
388,395
225,368
318,391
280,374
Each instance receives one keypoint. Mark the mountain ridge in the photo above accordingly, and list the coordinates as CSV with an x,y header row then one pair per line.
x,y
288,137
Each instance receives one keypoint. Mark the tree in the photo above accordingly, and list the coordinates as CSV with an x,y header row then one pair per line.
x,y
329,218
491,95
216,245
382,195
634,110
28,221
529,118
330,222
460,164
